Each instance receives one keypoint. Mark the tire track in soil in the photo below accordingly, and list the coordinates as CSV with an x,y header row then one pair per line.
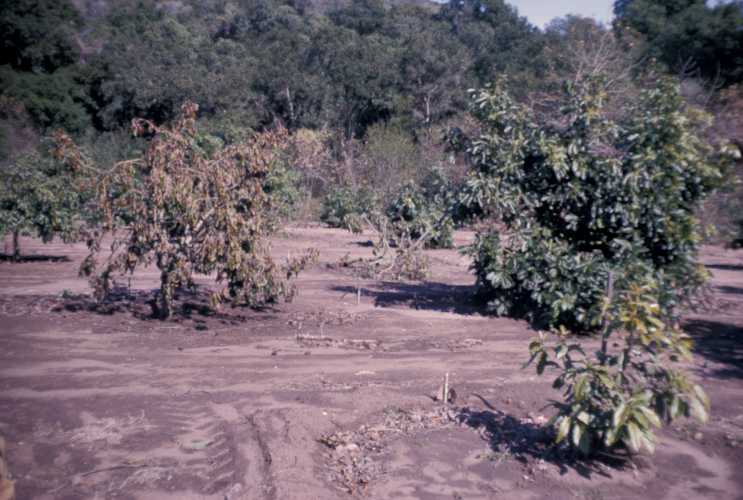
x,y
264,459
207,450
282,444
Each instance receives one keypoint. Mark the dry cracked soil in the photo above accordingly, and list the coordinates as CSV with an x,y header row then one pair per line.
x,y
324,398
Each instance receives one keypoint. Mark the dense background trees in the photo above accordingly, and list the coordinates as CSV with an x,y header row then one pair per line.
x,y
39,65
689,36
84,65
95,65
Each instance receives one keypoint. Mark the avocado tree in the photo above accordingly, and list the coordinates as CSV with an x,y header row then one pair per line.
x,y
615,398
581,196
423,210
188,210
598,234
38,198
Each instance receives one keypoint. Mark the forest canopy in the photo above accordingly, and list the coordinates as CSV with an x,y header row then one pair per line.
x,y
91,66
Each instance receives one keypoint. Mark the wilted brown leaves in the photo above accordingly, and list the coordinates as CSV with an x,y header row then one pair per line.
x,y
189,209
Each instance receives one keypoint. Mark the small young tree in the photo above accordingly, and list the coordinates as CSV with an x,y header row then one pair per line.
x,y
615,397
581,196
189,210
397,254
343,206
37,197
424,209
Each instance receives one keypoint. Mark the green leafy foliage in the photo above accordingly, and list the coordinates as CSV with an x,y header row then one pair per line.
x,y
283,184
433,67
38,197
343,206
691,36
618,396
502,41
188,210
345,67
39,56
422,210
581,195
152,61
38,35
54,100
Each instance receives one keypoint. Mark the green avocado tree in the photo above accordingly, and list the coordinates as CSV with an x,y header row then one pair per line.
x,y
597,233
582,195
38,198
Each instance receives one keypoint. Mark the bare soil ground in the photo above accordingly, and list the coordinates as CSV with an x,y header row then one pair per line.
x,y
323,398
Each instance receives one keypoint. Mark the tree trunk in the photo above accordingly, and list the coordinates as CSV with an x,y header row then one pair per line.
x,y
292,118
164,302
428,110
16,246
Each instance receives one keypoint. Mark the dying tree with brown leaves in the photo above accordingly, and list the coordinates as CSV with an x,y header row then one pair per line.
x,y
189,211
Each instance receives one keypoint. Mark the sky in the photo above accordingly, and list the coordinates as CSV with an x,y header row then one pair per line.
x,y
541,12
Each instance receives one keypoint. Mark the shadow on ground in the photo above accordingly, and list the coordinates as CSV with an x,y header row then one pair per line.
x,y
526,441
719,342
725,267
189,305
4,257
428,296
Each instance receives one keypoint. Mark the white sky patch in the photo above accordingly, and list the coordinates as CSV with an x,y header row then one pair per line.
x,y
541,12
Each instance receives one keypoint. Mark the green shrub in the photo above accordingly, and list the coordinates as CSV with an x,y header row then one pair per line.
x,y
37,197
538,276
283,185
583,195
424,210
615,397
343,206
52,101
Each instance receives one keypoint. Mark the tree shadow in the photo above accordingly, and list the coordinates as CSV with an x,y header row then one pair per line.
x,y
719,342
21,259
526,441
733,290
428,296
364,243
725,267
189,305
